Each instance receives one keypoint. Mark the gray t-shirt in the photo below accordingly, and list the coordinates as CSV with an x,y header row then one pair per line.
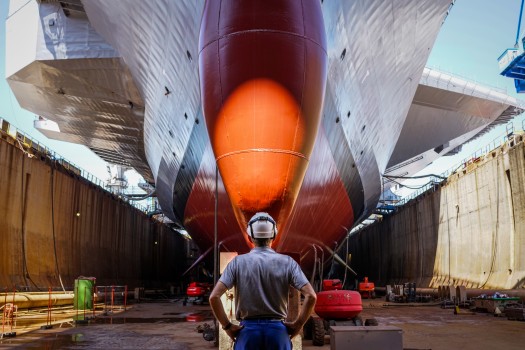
x,y
262,279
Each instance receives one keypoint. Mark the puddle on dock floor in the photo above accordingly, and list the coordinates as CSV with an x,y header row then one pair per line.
x,y
78,339
45,341
177,317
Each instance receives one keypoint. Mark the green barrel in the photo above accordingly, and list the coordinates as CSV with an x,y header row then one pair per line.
x,y
84,287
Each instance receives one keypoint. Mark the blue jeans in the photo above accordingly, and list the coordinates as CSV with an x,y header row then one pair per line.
x,y
263,334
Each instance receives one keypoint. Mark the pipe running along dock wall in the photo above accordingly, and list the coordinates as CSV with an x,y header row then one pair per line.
x,y
469,231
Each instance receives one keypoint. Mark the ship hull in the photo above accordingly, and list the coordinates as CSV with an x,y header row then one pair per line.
x,y
375,53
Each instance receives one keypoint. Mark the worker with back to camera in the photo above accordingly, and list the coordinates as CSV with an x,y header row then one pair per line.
x,y
262,279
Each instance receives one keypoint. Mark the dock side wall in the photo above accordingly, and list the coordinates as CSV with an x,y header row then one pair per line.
x,y
56,226
469,231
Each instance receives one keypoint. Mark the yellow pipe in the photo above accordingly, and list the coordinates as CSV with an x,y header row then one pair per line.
x,y
34,300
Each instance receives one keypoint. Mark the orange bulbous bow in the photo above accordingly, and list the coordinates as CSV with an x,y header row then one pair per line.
x,y
263,77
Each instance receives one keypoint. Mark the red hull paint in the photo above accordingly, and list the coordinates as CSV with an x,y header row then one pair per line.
x,y
199,215
322,202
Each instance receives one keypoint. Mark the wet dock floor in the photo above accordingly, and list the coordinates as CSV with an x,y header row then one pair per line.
x,y
171,325
158,325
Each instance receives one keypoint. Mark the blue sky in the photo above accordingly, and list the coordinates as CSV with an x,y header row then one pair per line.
x,y
473,36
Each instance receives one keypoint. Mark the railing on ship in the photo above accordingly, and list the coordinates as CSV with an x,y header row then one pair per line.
x,y
478,155
443,77
34,148
435,181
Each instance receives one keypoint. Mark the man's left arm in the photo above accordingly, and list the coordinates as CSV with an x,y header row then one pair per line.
x,y
307,308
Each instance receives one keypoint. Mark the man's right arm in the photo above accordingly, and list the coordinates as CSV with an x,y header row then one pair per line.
x,y
306,310
216,304
218,310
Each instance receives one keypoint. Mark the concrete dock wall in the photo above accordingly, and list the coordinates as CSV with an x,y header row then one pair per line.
x,y
56,226
469,231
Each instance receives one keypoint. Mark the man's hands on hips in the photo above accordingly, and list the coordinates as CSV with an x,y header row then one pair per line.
x,y
233,331
293,328
307,308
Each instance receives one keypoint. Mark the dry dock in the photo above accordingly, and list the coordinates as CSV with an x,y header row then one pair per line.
x,y
468,231
56,225
170,325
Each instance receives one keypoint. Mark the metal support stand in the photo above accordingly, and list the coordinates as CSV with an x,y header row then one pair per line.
x,y
215,248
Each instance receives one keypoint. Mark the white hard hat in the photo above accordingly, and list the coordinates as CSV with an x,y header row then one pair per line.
x,y
262,225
